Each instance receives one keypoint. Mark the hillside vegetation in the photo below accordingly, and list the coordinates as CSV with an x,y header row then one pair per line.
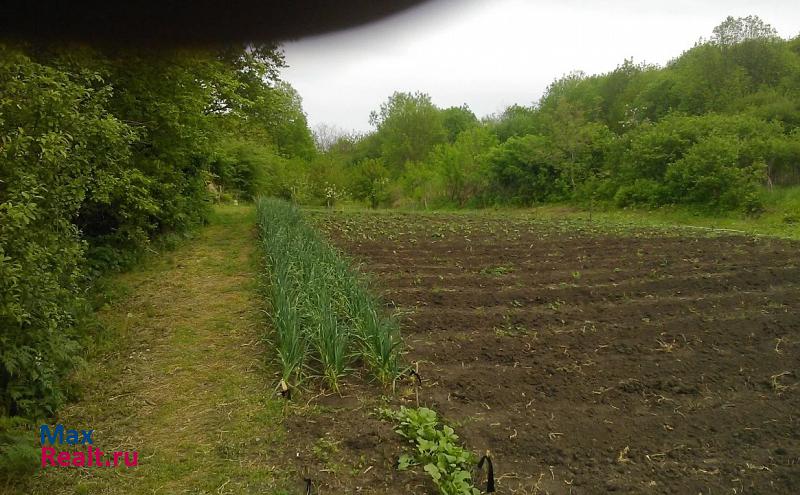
x,y
716,130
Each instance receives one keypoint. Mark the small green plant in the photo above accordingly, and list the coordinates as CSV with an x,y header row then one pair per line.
x,y
292,345
325,449
436,449
791,218
331,337
497,271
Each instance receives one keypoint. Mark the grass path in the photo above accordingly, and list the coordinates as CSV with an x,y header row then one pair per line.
x,y
182,381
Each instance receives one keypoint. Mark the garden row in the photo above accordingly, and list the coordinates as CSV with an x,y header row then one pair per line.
x,y
325,321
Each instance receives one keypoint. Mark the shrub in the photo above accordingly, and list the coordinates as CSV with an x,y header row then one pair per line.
x,y
19,454
525,170
100,154
710,174
641,192
59,150
715,162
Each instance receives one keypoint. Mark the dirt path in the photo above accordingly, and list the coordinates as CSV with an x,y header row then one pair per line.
x,y
183,383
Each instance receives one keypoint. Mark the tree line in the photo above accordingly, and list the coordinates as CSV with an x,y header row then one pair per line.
x,y
711,129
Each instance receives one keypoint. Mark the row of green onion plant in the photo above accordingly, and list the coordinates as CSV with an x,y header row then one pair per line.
x,y
325,320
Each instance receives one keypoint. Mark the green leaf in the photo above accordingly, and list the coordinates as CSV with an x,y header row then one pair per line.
x,y
404,462
432,470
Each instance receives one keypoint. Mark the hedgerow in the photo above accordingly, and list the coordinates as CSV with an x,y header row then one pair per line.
x,y
101,153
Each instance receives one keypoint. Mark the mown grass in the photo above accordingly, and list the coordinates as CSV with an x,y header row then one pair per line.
x,y
324,319
180,377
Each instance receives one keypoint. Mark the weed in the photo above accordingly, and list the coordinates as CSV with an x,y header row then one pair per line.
x,y
325,449
497,271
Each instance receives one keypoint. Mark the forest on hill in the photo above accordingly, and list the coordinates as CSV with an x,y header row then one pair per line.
x,y
711,129
106,152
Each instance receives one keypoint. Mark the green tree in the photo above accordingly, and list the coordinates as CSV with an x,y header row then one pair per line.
x,y
59,149
457,120
462,166
737,30
370,182
101,152
422,184
580,90
281,113
581,143
516,121
408,126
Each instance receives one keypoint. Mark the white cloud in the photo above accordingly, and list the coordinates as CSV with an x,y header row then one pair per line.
x,y
492,53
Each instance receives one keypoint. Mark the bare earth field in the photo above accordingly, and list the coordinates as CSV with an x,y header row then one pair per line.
x,y
587,359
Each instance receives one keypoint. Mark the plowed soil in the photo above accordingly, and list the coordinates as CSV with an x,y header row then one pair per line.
x,y
592,359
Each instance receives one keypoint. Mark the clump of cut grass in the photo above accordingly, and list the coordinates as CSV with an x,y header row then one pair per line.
x,y
325,320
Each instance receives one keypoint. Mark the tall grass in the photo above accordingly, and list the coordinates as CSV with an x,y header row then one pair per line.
x,y
325,320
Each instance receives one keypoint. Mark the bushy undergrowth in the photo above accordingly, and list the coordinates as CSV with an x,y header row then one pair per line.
x,y
19,451
324,319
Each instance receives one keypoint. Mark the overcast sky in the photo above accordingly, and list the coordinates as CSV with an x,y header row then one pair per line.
x,y
492,53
